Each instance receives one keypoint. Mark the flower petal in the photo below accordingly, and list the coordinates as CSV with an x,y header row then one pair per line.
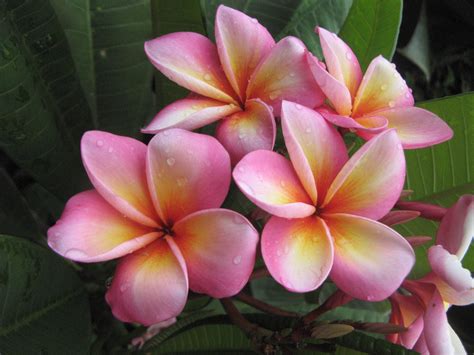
x,y
190,114
191,60
370,125
340,59
297,252
406,311
241,43
219,247
186,172
91,230
269,181
371,181
449,294
336,91
248,130
456,230
370,259
150,285
316,149
381,88
116,168
285,75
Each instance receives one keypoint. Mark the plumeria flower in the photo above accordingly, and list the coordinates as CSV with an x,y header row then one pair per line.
x,y
325,208
378,101
240,81
156,207
423,312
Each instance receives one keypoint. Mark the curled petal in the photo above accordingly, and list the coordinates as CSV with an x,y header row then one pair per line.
x,y
91,230
219,247
381,88
116,168
150,285
241,43
269,181
191,60
248,130
340,59
284,74
369,125
406,311
190,114
370,259
297,252
448,293
187,172
398,217
316,149
373,195
418,240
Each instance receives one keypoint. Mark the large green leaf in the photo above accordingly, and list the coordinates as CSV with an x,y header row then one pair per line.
x,y
42,109
106,39
44,306
371,28
441,174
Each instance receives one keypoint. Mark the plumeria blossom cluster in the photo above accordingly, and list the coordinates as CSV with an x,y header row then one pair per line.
x,y
157,207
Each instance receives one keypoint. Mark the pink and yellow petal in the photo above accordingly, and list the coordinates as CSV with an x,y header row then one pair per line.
x,y
191,60
91,230
367,125
371,260
408,312
186,172
248,130
297,252
190,114
317,151
448,293
284,74
370,183
150,285
269,180
219,247
116,168
241,43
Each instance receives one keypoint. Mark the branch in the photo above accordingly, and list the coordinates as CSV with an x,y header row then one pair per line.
x,y
337,299
259,273
239,320
264,307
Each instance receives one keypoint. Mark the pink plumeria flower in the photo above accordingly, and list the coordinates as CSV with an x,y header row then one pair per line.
x,y
156,207
325,208
240,81
378,101
424,311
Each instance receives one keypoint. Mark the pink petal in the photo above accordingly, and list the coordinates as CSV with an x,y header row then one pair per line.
x,y
269,181
408,312
337,92
370,259
285,75
190,114
248,130
150,285
371,181
456,230
297,252
418,240
448,267
381,88
191,60
449,294
316,149
91,230
416,127
116,168
399,217
340,59
369,125
187,172
219,247
241,43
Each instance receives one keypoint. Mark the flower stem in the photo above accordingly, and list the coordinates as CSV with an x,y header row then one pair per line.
x,y
427,211
264,307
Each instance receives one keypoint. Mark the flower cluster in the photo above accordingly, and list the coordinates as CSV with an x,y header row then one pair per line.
x,y
157,206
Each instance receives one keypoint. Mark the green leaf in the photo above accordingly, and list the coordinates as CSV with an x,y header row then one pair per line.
x,y
45,309
442,173
284,18
371,29
15,216
106,40
42,109
368,344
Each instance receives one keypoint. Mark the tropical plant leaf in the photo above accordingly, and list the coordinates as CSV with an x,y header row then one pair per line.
x,y
106,40
42,109
371,28
368,344
45,309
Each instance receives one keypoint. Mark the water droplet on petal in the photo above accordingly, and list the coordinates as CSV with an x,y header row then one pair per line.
x,y
110,150
348,55
237,260
182,181
298,106
273,96
383,87
370,298
407,95
282,183
166,133
241,169
75,254
124,287
308,130
393,65
292,74
100,143
241,136
391,104
238,219
195,107
286,250
207,77
260,177
170,161
246,188
254,20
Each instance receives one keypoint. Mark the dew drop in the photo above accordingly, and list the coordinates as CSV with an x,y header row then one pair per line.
x,y
100,143
182,181
393,65
273,96
407,95
241,169
75,254
246,188
195,107
241,136
57,234
391,104
124,287
308,130
237,260
278,252
348,55
282,183
103,53
170,161
286,250
298,106
166,133
292,74
370,298
260,177
110,150
207,77
383,87
254,20
238,219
